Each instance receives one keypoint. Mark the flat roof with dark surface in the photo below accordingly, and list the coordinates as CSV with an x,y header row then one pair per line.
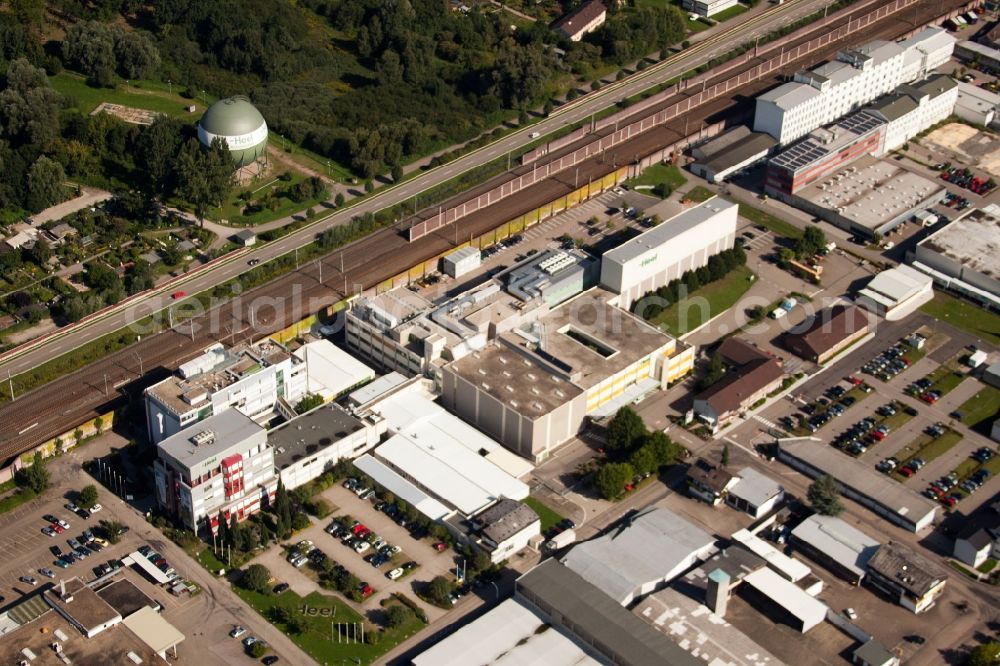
x,y
310,433
108,648
597,619
86,608
906,568
825,330
739,152
505,519
125,597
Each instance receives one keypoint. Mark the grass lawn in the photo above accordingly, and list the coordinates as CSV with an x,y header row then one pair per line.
x,y
775,224
317,637
981,407
727,14
696,25
548,516
659,173
987,566
719,297
87,98
945,378
964,315
232,211
699,193
968,466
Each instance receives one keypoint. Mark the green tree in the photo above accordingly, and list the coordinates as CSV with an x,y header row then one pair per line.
x,y
519,73
785,257
41,253
308,402
283,511
398,615
155,151
257,577
88,496
667,451
611,479
625,430
257,650
113,530
45,184
36,476
440,588
725,454
480,561
643,460
338,200
223,535
397,173
716,370
824,496
987,654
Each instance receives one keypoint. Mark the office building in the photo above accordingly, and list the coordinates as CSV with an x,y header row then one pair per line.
x,y
856,77
964,256
912,108
506,528
826,333
652,548
309,444
250,378
896,292
751,375
836,545
906,575
532,388
221,467
665,252
402,331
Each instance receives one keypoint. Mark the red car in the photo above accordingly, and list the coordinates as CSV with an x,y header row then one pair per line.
x,y
365,589
948,501
357,528
57,528
439,546
854,380
906,471
178,294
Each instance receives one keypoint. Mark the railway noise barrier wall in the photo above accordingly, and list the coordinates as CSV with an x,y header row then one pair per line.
x,y
696,99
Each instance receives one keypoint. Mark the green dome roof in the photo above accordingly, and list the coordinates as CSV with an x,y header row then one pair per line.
x,y
231,117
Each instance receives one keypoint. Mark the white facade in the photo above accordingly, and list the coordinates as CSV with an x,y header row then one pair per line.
x,y
682,243
331,371
926,51
223,466
829,91
932,101
460,262
250,378
976,105
708,7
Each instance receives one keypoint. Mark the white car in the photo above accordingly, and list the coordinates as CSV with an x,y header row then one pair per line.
x,y
71,506
62,523
237,631
299,561
851,614
394,574
361,546
95,508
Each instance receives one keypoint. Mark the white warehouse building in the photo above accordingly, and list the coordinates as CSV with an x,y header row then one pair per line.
x,y
682,243
857,76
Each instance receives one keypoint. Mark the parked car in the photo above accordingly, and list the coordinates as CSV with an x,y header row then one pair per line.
x,y
394,574
237,631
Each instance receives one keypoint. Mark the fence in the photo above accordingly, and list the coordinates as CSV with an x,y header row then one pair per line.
x,y
696,99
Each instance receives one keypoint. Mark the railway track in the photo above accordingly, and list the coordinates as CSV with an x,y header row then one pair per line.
x,y
110,382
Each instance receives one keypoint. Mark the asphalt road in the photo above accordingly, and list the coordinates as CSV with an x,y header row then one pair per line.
x,y
72,399
567,114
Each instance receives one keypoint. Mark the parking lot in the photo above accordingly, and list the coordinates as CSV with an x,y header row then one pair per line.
x,y
304,579
908,425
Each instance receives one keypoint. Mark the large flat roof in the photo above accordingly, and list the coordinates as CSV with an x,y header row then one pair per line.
x,y
598,619
153,630
755,487
789,95
332,371
870,192
846,545
662,233
108,648
972,240
444,454
824,141
512,634
228,429
402,488
894,285
793,569
310,433
645,549
855,474
85,608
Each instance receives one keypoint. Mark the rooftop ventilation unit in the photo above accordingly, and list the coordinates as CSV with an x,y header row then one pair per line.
x,y
203,438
